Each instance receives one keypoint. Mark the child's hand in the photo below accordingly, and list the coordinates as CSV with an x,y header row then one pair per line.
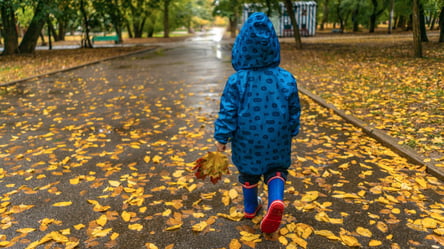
x,y
220,147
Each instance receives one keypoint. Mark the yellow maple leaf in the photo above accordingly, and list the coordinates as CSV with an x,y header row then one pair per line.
x,y
283,240
199,227
349,240
135,227
126,216
364,232
303,230
156,159
250,237
62,204
79,226
74,181
114,236
233,194
5,243
99,232
375,242
175,227
301,242
328,234
150,246
429,223
439,231
382,226
114,183
310,196
102,220
25,230
235,244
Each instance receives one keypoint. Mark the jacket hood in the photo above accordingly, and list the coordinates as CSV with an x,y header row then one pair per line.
x,y
257,45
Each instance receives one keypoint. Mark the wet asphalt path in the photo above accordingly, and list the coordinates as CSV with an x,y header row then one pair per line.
x,y
101,157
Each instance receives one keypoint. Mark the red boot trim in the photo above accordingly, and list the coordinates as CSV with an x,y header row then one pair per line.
x,y
248,186
272,220
276,177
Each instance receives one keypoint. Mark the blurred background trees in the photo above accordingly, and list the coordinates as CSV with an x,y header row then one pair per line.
x,y
24,22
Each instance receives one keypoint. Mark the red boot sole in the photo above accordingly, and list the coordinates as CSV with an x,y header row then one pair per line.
x,y
272,220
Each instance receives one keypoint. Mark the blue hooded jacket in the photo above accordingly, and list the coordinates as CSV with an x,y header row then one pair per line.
x,y
259,108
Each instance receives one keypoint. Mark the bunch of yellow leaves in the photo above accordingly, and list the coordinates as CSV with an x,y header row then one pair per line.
x,y
213,164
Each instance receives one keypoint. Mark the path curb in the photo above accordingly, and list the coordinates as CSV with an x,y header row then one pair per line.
x,y
377,134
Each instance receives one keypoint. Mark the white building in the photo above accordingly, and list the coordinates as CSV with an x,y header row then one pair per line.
x,y
305,13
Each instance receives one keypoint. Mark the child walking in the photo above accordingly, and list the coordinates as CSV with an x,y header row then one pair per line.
x,y
259,115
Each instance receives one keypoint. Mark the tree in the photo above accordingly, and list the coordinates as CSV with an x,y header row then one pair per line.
x,y
297,36
376,12
422,24
441,25
66,17
417,46
166,24
324,15
9,29
136,14
230,9
86,41
29,41
109,9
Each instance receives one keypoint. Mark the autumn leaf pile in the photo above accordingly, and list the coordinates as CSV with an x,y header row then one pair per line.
x,y
102,157
377,80
213,165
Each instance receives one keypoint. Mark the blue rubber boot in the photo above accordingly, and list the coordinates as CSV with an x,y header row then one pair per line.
x,y
252,202
272,220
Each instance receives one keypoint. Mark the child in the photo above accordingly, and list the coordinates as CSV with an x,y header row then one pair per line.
x,y
259,114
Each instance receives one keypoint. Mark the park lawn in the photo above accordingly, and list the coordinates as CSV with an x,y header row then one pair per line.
x,y
377,80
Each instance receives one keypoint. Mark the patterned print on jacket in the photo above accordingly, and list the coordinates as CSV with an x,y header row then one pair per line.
x,y
259,108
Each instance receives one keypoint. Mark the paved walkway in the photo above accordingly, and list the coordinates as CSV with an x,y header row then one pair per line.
x,y
101,157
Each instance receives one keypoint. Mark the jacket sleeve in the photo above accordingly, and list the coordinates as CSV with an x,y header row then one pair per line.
x,y
295,111
226,123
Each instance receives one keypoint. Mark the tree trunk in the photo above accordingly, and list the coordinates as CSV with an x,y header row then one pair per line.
x,y
417,46
297,36
324,15
128,27
53,32
392,11
355,16
166,23
61,30
441,25
433,20
116,19
86,42
422,24
29,41
373,16
9,30
233,26
341,19
49,35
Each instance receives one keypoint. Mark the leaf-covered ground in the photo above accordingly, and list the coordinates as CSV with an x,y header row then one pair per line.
x,y
15,67
101,157
376,79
